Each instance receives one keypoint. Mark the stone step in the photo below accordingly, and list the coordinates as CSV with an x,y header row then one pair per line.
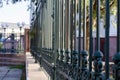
x,y
10,63
12,59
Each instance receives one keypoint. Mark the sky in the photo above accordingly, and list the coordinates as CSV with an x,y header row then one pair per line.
x,y
14,13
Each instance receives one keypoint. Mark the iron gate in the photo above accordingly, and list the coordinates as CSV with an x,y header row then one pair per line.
x,y
54,43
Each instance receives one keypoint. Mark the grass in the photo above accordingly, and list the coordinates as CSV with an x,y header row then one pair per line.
x,y
17,66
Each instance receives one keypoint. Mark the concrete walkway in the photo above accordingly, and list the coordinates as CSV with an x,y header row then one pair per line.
x,y
34,72
10,74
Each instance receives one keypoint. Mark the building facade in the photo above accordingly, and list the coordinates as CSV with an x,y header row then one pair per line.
x,y
17,41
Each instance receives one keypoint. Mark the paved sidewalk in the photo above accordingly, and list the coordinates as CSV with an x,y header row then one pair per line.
x,y
34,72
10,74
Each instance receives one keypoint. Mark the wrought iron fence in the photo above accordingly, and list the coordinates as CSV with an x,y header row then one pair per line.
x,y
54,44
11,44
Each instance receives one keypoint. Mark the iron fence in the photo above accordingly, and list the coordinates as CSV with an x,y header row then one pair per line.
x,y
54,42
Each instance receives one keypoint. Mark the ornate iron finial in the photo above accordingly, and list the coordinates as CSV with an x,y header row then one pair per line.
x,y
61,55
67,56
98,55
116,67
67,60
74,64
84,71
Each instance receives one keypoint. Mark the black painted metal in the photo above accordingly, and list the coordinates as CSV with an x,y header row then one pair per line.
x,y
84,25
68,64
71,28
98,54
116,58
12,43
71,37
118,26
91,38
79,42
107,39
84,54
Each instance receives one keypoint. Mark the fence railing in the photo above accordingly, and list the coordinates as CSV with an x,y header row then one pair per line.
x,y
54,43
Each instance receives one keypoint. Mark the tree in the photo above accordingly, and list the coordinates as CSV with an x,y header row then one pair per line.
x,y
9,1
113,9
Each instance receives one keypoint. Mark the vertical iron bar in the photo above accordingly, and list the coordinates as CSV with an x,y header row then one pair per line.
x,y
66,24
63,38
116,57
54,37
20,39
67,21
67,2
55,43
118,26
71,31
58,31
4,38
107,38
84,53
84,25
62,27
79,42
61,33
98,55
74,32
98,25
91,38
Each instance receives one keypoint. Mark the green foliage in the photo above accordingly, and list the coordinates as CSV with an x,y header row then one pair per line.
x,y
10,1
0,45
112,4
113,9
32,33
23,68
17,67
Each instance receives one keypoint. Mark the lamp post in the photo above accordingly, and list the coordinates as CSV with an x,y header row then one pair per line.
x,y
12,41
4,26
20,25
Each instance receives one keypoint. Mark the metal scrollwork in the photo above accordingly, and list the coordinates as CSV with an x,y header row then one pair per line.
x,y
84,59
58,57
75,64
70,70
85,75
79,73
84,71
61,59
67,61
67,56
99,77
61,55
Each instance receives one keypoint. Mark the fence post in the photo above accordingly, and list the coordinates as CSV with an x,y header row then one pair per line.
x,y
12,43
